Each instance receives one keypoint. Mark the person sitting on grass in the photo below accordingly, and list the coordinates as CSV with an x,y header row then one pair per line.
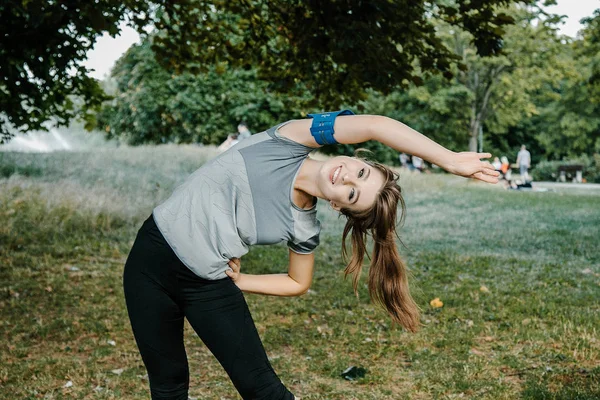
x,y
506,173
518,184
185,261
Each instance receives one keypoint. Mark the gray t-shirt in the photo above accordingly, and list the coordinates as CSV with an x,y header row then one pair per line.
x,y
241,198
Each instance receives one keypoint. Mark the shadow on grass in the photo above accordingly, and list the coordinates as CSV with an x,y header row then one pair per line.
x,y
574,384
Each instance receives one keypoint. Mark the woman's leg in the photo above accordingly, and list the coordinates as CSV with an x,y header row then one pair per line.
x,y
219,314
157,320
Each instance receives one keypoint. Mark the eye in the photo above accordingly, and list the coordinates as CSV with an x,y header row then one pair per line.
x,y
361,173
351,194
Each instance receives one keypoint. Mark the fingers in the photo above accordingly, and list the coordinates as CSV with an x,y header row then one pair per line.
x,y
234,267
478,155
235,264
234,272
489,178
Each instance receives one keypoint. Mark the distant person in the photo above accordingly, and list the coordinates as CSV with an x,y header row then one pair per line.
x,y
235,138
518,185
231,141
524,162
505,169
243,131
185,261
410,165
404,161
497,164
418,163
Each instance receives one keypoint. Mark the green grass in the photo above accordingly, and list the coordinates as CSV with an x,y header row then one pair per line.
x,y
518,273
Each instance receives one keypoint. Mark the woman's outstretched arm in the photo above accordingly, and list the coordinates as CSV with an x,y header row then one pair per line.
x,y
352,129
400,137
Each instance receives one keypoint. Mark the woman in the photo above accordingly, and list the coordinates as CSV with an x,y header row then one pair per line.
x,y
185,261
497,164
505,169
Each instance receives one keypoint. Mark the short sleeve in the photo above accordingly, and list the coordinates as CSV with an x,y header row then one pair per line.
x,y
306,232
305,247
295,148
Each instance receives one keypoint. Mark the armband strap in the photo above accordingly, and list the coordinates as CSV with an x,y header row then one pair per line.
x,y
322,126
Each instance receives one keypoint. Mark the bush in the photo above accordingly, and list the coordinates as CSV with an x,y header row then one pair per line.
x,y
548,170
153,105
10,167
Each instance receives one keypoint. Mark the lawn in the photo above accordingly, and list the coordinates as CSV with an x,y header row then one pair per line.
x,y
518,274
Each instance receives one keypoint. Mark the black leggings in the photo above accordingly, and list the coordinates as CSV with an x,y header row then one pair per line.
x,y
160,291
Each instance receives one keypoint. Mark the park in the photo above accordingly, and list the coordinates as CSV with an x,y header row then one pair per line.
x,y
507,279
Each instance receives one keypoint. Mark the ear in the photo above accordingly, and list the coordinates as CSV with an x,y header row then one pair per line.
x,y
335,206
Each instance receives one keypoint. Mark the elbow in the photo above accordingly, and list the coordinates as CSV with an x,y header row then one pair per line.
x,y
301,289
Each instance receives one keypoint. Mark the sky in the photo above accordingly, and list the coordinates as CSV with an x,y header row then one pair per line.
x,y
108,49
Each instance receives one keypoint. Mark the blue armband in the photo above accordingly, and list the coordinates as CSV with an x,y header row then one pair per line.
x,y
322,126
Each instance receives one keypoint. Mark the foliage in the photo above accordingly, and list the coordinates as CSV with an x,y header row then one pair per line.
x,y
494,93
43,43
499,93
153,105
570,124
540,91
548,170
335,48
314,43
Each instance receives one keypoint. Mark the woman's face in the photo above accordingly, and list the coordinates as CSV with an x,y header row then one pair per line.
x,y
350,183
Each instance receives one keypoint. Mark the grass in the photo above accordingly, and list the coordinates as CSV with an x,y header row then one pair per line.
x,y
518,273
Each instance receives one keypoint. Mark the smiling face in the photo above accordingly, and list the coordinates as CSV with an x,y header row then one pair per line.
x,y
350,183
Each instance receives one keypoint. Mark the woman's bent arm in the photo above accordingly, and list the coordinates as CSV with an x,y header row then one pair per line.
x,y
353,129
295,283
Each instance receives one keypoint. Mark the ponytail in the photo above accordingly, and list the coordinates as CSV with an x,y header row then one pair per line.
x,y
388,275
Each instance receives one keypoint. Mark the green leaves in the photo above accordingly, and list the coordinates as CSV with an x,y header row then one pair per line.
x,y
569,123
336,49
154,105
43,44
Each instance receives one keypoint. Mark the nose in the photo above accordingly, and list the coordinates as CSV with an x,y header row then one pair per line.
x,y
347,178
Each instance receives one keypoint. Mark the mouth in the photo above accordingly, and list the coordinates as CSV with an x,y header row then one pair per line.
x,y
334,174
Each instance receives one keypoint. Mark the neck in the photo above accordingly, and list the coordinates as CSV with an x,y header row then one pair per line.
x,y
307,178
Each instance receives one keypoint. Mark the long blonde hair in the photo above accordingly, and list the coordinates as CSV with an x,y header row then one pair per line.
x,y
388,275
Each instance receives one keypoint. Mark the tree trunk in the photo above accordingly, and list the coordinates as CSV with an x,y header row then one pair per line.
x,y
474,127
474,132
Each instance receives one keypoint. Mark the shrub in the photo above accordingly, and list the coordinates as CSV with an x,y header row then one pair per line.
x,y
548,170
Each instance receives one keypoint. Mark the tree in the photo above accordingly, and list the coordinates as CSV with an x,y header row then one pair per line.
x,y
571,125
43,43
491,92
155,106
334,48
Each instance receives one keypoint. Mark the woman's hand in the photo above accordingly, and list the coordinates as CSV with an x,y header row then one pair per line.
x,y
469,165
234,273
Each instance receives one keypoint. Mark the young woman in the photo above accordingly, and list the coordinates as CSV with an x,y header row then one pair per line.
x,y
185,262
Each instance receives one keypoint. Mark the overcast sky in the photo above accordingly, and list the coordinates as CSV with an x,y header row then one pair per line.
x,y
107,49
